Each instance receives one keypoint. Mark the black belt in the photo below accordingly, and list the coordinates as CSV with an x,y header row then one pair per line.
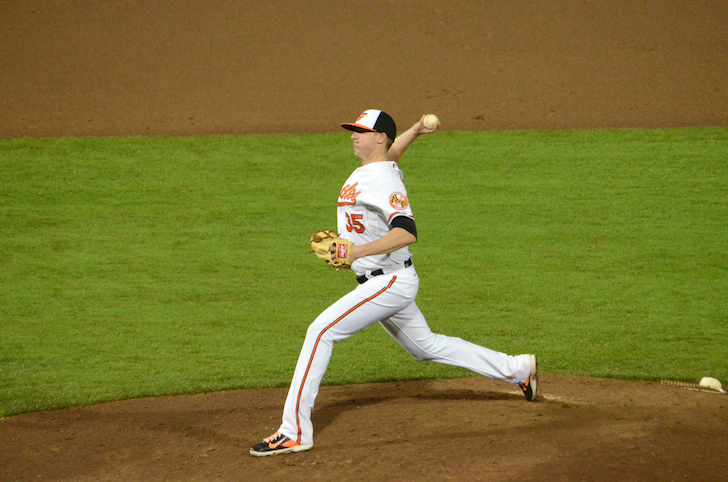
x,y
363,278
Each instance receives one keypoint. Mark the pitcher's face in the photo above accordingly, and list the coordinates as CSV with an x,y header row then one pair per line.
x,y
366,142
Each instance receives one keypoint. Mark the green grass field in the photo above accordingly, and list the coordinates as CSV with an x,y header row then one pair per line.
x,y
145,266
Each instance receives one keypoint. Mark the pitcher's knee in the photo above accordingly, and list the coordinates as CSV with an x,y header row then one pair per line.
x,y
322,331
428,349
421,356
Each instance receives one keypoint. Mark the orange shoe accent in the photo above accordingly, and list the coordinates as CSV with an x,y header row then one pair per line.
x,y
277,444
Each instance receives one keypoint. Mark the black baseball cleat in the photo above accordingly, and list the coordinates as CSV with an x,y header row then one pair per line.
x,y
277,444
530,386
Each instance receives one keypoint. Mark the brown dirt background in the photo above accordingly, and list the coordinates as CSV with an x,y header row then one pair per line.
x,y
78,68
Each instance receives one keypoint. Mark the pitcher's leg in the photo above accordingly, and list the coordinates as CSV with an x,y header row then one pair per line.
x,y
409,328
357,310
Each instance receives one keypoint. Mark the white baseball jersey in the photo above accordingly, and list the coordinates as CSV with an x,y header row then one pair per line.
x,y
371,198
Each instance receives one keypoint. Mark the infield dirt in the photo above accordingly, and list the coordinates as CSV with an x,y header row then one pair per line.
x,y
199,67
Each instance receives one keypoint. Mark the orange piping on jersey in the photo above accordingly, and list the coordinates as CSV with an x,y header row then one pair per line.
x,y
313,353
346,204
398,213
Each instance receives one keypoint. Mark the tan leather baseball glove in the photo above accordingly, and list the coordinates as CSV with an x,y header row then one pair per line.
x,y
321,242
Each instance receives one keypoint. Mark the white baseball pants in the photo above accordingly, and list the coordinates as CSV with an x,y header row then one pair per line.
x,y
390,300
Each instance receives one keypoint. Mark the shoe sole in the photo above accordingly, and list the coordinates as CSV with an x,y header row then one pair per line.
x,y
534,377
287,450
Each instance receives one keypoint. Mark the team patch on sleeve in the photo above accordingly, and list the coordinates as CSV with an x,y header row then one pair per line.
x,y
398,200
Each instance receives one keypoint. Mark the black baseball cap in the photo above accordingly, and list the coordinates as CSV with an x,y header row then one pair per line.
x,y
373,120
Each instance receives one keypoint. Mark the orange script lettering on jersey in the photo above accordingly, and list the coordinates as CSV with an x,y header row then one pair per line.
x,y
348,195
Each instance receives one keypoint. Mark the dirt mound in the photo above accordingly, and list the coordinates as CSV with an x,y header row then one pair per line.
x,y
466,429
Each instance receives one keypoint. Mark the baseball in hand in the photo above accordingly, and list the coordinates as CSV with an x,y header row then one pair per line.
x,y
431,121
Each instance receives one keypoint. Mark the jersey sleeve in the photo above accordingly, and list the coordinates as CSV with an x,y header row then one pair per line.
x,y
392,201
